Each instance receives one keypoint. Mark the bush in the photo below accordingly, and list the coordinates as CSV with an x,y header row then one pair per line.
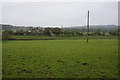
x,y
6,35
8,32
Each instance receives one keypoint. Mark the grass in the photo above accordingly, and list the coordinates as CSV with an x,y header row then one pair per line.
x,y
60,59
0,59
34,37
73,38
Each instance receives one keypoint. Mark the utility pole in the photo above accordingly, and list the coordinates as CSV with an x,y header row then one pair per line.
x,y
61,31
88,26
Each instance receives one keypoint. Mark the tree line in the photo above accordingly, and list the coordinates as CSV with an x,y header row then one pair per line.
x,y
57,32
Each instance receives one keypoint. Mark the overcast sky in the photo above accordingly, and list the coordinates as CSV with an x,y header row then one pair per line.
x,y
59,13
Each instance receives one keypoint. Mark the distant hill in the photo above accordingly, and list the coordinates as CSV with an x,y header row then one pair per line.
x,y
11,27
103,28
6,27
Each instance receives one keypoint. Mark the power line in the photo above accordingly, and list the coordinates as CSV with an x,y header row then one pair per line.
x,y
34,6
25,5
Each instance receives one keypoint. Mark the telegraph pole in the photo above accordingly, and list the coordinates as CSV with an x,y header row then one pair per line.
x,y
61,31
88,26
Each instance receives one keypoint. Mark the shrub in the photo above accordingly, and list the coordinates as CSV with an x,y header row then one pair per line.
x,y
6,35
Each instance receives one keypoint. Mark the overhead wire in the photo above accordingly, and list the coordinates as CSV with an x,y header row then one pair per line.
x,y
38,6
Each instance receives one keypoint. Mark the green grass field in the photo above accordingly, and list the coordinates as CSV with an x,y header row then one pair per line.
x,y
68,38
60,59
